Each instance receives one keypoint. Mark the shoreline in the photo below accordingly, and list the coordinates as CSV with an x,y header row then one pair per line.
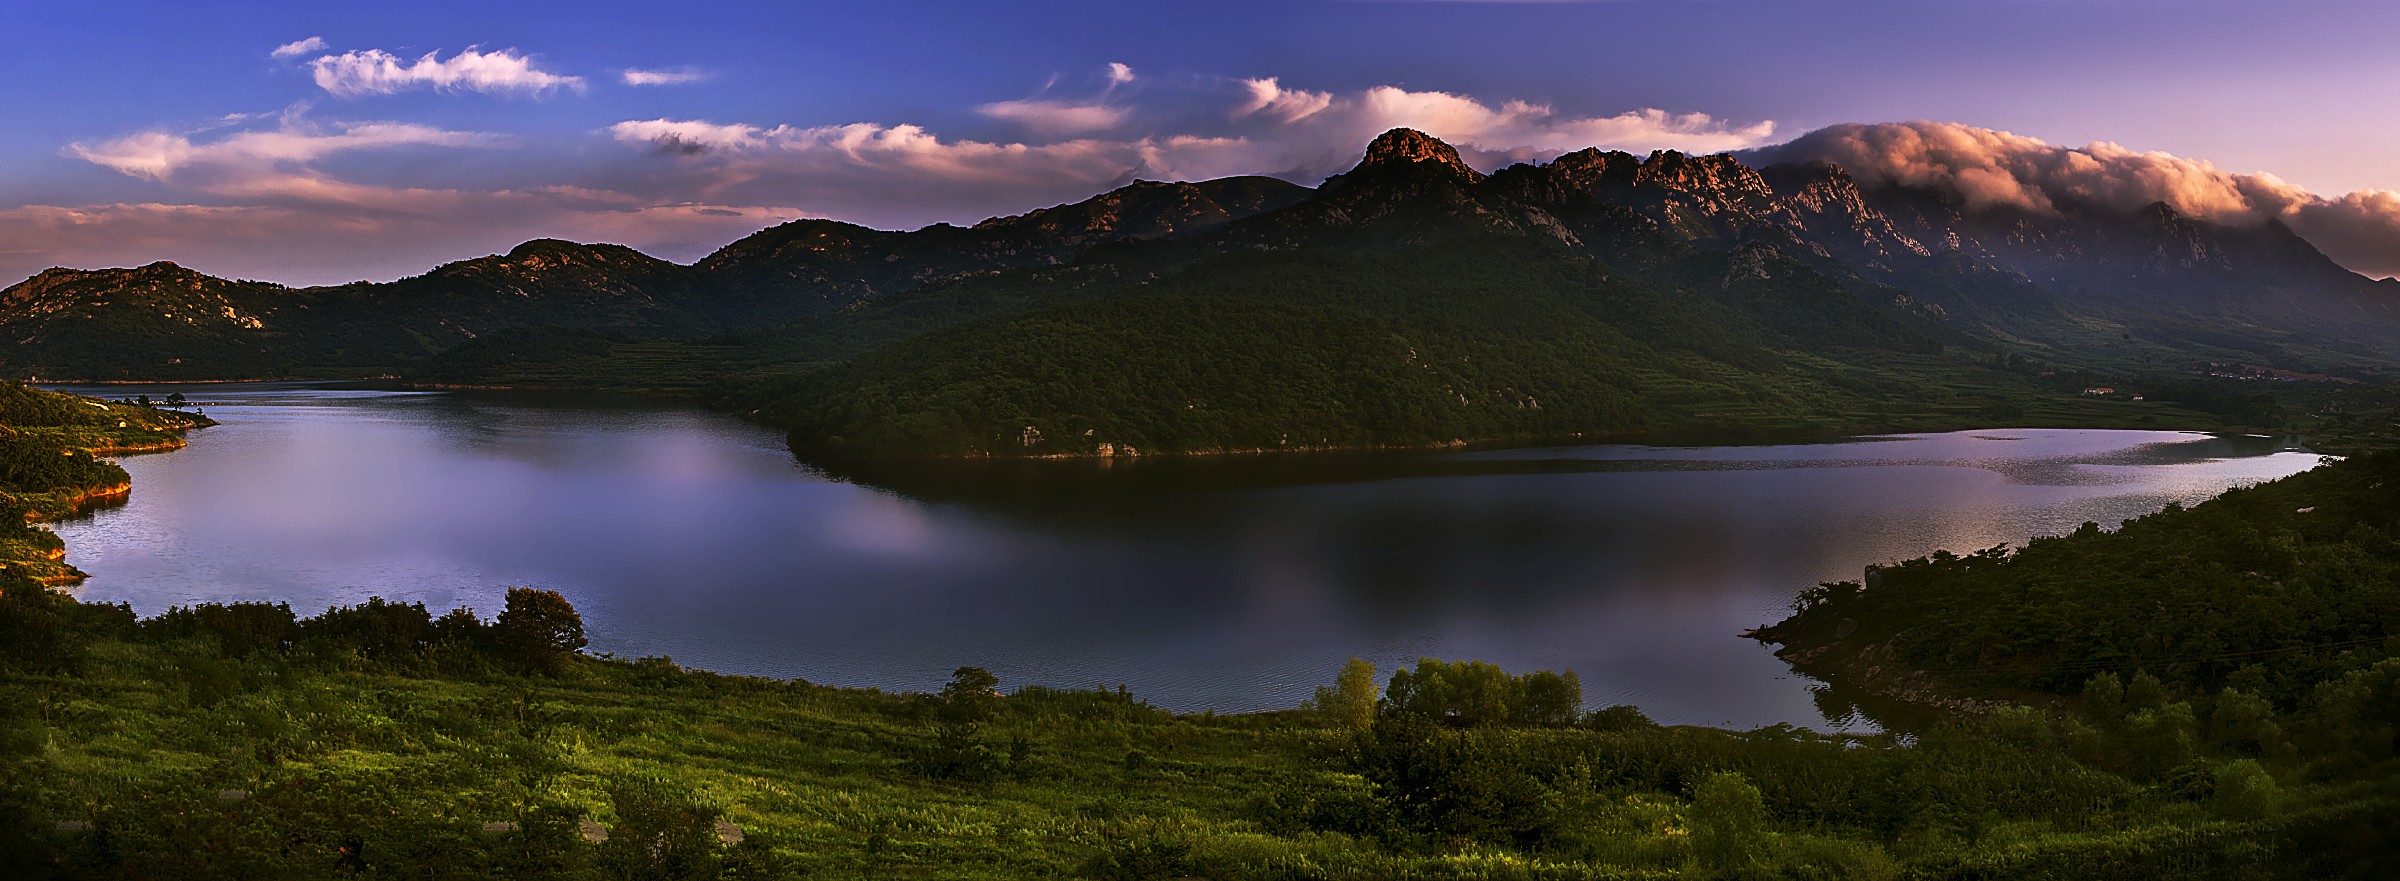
x,y
41,554
1673,439
1661,437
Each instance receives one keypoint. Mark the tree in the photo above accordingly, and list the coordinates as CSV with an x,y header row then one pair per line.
x,y
1551,698
176,400
968,700
2104,699
538,630
2145,692
1350,700
1729,823
2245,791
1462,693
2245,722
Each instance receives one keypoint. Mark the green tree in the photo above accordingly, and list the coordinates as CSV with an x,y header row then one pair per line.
x,y
2245,722
1550,698
969,700
2145,692
2245,791
1462,693
1729,824
1350,700
2104,699
538,630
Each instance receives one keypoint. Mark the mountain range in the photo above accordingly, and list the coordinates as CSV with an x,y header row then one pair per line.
x,y
1411,300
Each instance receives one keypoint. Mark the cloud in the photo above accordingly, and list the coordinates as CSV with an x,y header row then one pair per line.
x,y
1991,169
677,77
906,175
304,200
2360,230
1054,117
839,151
277,163
297,48
1518,129
687,136
302,244
376,72
1270,99
291,198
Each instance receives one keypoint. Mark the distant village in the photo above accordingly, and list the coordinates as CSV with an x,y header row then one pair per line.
x,y
2227,370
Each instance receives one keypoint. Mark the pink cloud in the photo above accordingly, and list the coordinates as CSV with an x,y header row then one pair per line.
x,y
1987,168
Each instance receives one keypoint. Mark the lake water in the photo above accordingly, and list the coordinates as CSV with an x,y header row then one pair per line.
x,y
1233,584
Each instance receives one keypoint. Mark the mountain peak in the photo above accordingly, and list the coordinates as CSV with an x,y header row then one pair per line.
x,y
1412,149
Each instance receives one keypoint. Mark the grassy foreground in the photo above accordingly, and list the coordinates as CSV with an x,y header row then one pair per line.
x,y
245,741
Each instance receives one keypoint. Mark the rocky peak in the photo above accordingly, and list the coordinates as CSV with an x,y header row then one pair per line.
x,y
1407,148
1592,166
1711,175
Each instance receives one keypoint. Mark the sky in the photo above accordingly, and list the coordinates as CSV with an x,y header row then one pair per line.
x,y
312,143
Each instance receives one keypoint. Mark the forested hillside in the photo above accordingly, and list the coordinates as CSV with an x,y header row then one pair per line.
x,y
2288,592
1412,300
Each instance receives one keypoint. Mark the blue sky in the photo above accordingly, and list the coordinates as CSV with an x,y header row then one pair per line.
x,y
174,131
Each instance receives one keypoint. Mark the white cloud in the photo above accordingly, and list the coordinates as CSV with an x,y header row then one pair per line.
x,y
1056,117
298,48
1987,168
690,135
376,72
1270,99
1119,73
676,77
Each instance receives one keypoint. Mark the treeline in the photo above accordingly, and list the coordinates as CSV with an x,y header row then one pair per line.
x,y
2124,782
537,632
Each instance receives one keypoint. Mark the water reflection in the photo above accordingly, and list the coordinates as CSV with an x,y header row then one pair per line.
x,y
1236,583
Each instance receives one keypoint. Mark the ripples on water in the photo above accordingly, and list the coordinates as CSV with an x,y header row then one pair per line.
x,y
1229,583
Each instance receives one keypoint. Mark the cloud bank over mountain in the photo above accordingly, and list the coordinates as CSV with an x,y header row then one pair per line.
x,y
1986,169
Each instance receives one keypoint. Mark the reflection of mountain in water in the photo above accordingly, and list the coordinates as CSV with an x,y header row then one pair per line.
x,y
2046,458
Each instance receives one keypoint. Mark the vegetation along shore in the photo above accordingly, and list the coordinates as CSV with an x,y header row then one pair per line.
x,y
386,740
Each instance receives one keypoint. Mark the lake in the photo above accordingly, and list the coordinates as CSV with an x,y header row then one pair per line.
x,y
1228,583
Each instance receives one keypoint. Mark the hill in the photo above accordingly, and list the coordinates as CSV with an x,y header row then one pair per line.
x,y
2277,590
1411,300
